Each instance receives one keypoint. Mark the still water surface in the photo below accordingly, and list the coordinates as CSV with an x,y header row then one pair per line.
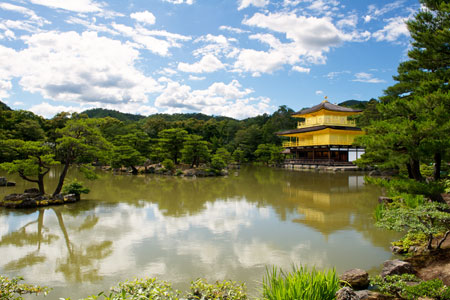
x,y
180,229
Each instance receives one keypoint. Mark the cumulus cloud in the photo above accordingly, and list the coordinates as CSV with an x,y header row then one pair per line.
x,y
395,28
25,11
367,78
82,68
196,78
47,110
246,3
218,99
301,69
145,17
216,45
80,6
209,63
145,38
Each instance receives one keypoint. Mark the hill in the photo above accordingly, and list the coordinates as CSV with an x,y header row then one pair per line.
x,y
3,106
187,116
102,113
358,104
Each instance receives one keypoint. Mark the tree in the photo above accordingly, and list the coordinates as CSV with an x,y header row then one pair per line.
x,y
414,118
224,154
171,141
31,160
81,142
195,150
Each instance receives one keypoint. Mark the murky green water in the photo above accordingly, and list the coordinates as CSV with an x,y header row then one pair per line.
x,y
179,229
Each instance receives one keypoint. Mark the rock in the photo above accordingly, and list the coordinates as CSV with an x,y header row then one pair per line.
x,y
363,295
397,249
32,191
370,295
10,183
356,278
396,267
3,181
384,200
346,293
189,172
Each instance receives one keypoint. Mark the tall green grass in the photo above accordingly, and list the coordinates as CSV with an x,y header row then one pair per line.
x,y
301,283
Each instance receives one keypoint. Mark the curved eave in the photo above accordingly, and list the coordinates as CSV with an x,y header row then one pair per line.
x,y
317,128
327,106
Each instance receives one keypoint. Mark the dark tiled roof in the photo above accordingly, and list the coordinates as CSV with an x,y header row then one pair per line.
x,y
316,128
328,106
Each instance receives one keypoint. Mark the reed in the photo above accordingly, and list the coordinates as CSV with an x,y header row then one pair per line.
x,y
300,283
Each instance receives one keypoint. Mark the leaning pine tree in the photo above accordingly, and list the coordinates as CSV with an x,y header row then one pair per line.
x,y
414,114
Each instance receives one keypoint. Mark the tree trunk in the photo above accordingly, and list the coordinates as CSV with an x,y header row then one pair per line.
x,y
41,184
61,179
437,166
410,174
415,169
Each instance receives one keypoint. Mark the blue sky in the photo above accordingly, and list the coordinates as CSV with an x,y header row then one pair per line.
x,y
237,58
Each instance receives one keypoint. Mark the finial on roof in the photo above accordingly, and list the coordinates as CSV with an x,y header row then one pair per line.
x,y
325,100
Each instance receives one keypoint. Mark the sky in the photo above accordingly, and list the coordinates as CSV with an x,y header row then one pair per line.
x,y
235,58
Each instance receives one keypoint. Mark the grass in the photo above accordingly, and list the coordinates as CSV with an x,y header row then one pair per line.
x,y
300,283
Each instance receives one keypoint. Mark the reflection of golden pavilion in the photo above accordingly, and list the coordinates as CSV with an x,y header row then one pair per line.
x,y
327,207
325,136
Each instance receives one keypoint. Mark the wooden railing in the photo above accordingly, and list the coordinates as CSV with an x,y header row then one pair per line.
x,y
324,162
350,123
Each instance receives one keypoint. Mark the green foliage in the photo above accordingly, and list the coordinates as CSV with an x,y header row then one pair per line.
x,y
195,150
31,160
217,162
149,288
171,141
408,286
168,164
269,153
410,240
238,156
301,283
11,289
102,113
224,154
75,187
225,290
429,218
3,106
397,186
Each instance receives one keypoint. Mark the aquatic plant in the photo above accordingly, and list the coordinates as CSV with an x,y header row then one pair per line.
x,y
11,289
300,283
225,290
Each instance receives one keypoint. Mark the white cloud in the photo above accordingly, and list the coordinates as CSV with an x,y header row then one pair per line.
x,y
145,38
333,75
350,21
82,68
246,3
216,45
25,11
367,78
233,29
319,92
367,18
374,11
209,63
80,6
301,69
91,25
5,86
218,99
145,17
189,2
196,78
291,2
395,28
48,111
325,7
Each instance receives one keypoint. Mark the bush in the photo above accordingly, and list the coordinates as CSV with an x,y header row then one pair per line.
x,y
149,288
225,290
75,187
168,164
301,283
401,286
410,240
217,163
11,289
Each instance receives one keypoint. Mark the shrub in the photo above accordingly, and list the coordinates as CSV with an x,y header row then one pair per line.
x,y
217,163
149,288
168,164
301,283
401,286
11,289
75,187
225,290
410,240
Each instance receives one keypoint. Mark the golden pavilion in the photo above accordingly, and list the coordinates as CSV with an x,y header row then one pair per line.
x,y
324,137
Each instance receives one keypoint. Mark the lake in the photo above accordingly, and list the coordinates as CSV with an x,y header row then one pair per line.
x,y
180,229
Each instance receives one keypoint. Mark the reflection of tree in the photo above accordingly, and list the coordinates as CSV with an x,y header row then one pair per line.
x,y
79,264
